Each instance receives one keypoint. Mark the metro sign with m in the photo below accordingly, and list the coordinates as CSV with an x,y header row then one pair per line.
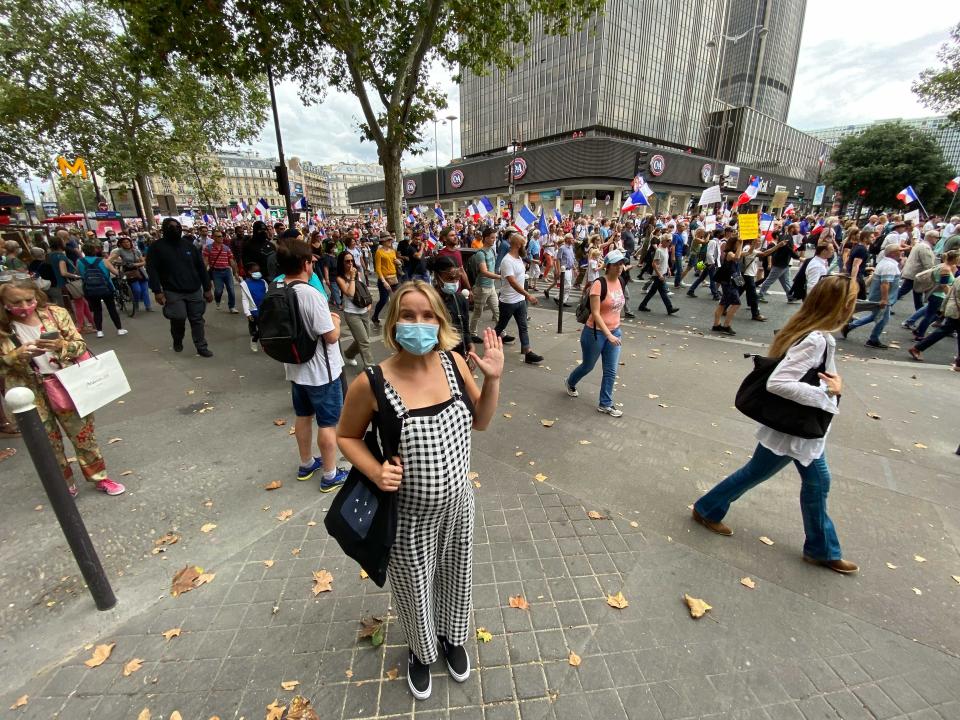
x,y
77,167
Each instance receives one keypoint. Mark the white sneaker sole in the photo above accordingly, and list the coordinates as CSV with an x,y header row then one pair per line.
x,y
460,678
614,412
416,693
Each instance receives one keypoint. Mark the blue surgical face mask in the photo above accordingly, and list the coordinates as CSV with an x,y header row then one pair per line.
x,y
417,338
451,287
256,275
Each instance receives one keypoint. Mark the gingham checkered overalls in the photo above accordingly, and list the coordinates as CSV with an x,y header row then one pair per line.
x,y
431,561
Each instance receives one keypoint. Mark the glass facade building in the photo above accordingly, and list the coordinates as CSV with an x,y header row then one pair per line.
x,y
946,134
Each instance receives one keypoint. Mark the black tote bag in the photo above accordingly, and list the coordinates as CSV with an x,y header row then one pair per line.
x,y
363,518
786,416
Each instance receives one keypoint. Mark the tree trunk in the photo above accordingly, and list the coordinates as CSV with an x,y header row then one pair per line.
x,y
145,200
392,187
135,191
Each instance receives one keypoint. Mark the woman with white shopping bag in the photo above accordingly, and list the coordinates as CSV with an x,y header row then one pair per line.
x,y
36,340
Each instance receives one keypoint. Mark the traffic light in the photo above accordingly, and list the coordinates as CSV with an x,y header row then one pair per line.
x,y
283,180
642,163
862,192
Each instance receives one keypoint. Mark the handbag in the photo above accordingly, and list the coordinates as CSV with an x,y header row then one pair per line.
x,y
74,288
777,412
361,294
363,518
92,382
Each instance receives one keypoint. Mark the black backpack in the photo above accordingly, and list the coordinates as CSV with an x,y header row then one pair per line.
x,y
877,245
798,290
95,282
583,307
283,335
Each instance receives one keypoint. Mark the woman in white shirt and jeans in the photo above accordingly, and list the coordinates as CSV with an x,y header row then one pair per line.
x,y
803,342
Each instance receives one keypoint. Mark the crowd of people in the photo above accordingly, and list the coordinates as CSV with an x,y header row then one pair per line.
x,y
446,293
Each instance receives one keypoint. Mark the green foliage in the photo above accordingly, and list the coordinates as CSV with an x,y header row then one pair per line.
x,y
378,50
884,159
67,194
939,89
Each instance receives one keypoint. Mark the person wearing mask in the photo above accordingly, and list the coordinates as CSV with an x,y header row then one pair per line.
x,y
434,404
98,289
446,281
601,336
804,343
514,297
253,289
348,277
387,266
883,288
180,284
451,247
658,284
261,251
128,258
26,357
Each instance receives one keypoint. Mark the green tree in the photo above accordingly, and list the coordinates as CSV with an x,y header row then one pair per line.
x,y
68,202
885,158
378,50
939,89
73,77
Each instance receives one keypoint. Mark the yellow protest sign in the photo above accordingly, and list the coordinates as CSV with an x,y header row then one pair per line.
x,y
77,167
749,226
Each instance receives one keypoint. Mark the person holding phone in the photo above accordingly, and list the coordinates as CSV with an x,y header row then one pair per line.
x,y
36,340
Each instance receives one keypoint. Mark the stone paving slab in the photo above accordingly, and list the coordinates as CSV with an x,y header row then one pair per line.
x,y
762,653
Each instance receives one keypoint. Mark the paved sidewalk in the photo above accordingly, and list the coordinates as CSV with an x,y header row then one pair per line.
x,y
761,653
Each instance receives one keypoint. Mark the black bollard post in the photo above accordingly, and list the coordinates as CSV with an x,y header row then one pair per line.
x,y
21,404
563,277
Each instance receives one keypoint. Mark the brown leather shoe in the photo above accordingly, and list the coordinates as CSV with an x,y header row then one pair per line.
x,y
718,527
845,567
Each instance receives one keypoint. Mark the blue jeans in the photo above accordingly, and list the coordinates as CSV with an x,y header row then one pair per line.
x,y
141,292
709,271
224,278
382,300
822,542
594,345
881,316
930,311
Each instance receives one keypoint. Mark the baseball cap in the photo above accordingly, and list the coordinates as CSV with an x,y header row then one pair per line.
x,y
614,256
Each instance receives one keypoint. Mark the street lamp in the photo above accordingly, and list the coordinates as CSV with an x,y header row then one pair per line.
x,y
451,118
436,159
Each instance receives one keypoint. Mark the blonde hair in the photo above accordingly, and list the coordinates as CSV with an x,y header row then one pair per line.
x,y
595,252
447,337
5,319
828,306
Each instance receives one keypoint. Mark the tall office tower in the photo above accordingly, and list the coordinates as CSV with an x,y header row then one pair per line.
x,y
641,70
758,69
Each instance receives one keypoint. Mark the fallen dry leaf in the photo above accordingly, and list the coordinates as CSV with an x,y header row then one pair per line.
x,y
100,655
295,552
167,539
873,415
273,485
765,540
594,515
312,523
111,441
472,475
519,602
617,601
185,579
175,715
279,422
918,591
131,667
507,415
284,515
891,566
289,684
363,574
348,673
207,527
268,563
919,558
698,608
322,580
957,578
518,453
144,714
204,579
275,711
584,442
540,477
574,659
126,472
748,582
21,701
292,431
547,423
652,396
300,709
393,673
483,635
171,633
634,524
920,445
372,627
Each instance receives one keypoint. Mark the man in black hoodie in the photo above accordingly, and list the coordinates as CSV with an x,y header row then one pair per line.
x,y
180,283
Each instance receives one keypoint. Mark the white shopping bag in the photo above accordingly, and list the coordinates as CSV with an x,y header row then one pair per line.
x,y
94,383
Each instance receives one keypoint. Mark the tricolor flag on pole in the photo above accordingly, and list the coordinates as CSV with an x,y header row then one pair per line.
x,y
954,184
431,240
262,208
484,207
207,219
908,195
557,215
749,193
524,219
542,224
439,211
638,197
766,225
790,210
242,207
300,204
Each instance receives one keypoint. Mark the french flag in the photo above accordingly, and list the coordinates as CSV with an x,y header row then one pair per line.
x,y
908,195
484,207
542,224
638,197
207,219
749,193
790,211
431,241
766,225
300,204
524,219
262,208
242,206
954,184
439,211
557,215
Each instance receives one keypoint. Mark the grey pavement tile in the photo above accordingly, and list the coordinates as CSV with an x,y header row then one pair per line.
x,y
538,709
906,698
849,670
571,707
196,676
848,706
733,690
367,664
395,698
928,714
494,653
765,687
796,684
671,700
639,703
269,672
489,618
467,713
516,621
50,707
605,705
873,662
362,699
465,694
816,708
63,681
821,674
502,711
529,681
523,647
658,664
784,711
623,669
554,568
571,613
593,673
211,644
235,674
949,711
485,596
77,708
552,644
877,702
562,678
931,687
497,685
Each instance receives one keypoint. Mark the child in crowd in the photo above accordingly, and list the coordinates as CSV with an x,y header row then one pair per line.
x,y
252,291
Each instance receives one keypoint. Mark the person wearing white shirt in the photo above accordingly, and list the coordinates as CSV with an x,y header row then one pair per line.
x,y
514,297
804,344
819,265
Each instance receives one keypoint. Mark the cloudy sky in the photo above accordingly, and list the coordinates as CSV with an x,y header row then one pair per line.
x,y
857,60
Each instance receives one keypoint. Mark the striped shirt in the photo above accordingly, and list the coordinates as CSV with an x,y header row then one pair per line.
x,y
217,258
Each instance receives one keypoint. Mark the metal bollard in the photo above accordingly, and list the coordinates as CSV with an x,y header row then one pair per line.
x,y
563,277
20,401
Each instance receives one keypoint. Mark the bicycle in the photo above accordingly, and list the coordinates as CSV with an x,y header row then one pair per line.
x,y
123,294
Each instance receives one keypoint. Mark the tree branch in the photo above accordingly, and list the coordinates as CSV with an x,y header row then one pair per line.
x,y
407,80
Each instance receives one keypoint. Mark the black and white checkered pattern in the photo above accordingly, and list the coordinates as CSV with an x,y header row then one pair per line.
x,y
431,562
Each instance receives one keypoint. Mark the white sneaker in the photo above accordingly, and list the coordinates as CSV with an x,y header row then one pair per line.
x,y
352,362
234,311
611,411
572,392
99,333
121,331
254,347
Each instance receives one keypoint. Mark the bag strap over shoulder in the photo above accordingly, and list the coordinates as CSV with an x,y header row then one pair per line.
x,y
389,427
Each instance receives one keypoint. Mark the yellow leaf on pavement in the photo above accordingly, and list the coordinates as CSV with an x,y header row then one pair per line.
x,y
185,580
100,655
748,582
918,591
289,684
634,524
279,422
472,475
207,527
144,714
507,415
284,515
698,608
268,563
363,574
275,711
131,667
483,635
204,578
540,477
919,558
765,540
584,442
175,715
519,602
594,515
21,701
574,659
171,633
891,566
273,485
300,709
920,445
322,581
617,601
393,673
547,423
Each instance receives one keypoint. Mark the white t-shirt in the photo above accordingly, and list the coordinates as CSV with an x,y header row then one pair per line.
x,y
662,256
30,334
511,266
316,318
894,238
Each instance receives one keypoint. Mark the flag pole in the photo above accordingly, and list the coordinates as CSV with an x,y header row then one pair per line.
x,y
946,215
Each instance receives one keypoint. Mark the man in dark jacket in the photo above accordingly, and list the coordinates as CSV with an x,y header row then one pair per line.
x,y
180,283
